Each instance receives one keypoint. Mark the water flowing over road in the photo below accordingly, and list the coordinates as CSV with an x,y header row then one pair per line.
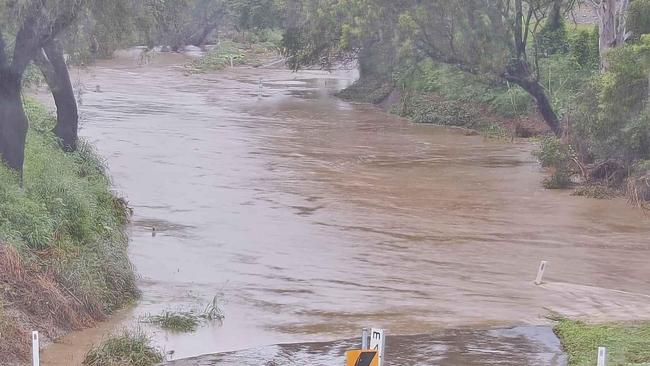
x,y
310,217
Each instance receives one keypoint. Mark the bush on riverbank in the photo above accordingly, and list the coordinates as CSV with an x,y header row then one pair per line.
x,y
63,249
229,52
129,348
627,344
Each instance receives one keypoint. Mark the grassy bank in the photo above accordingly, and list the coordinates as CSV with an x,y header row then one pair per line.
x,y
228,53
63,248
627,344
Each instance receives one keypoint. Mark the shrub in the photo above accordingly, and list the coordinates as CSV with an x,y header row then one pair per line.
x,y
583,48
219,58
638,18
554,154
130,348
552,39
612,114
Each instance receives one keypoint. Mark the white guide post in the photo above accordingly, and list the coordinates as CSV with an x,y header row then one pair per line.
x,y
602,356
365,339
36,361
540,273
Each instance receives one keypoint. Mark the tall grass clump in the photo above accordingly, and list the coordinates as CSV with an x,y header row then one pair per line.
x,y
65,218
129,348
187,321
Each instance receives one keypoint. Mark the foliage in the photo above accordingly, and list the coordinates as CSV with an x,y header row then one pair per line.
x,y
555,155
612,114
130,348
219,58
638,18
65,207
627,344
552,39
456,85
256,14
583,48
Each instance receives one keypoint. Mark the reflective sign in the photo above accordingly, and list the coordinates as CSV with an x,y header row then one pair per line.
x,y
360,357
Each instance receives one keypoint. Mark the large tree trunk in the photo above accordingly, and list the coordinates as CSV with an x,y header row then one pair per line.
x,y
13,122
201,38
612,16
519,73
53,66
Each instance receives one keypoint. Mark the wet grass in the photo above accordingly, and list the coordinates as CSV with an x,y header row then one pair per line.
x,y
219,58
187,321
67,229
182,322
627,343
129,348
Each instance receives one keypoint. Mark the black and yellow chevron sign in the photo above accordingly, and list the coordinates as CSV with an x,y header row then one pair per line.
x,y
360,357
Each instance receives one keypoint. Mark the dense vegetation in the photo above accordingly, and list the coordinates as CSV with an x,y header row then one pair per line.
x,y
63,249
473,62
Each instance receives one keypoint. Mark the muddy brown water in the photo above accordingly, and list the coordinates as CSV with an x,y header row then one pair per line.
x,y
309,217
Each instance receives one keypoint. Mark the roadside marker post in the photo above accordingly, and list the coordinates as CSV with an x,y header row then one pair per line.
x,y
365,339
360,357
540,273
602,356
378,343
35,349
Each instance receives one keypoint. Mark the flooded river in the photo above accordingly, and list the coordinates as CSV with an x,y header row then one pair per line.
x,y
309,217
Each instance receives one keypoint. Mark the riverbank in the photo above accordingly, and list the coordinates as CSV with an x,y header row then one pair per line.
x,y
207,157
63,244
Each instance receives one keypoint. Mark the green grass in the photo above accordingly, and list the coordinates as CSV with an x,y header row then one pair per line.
x,y
627,344
130,348
219,58
187,321
65,217
176,321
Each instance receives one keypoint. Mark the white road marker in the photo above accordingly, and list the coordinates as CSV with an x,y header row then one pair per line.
x,y
540,273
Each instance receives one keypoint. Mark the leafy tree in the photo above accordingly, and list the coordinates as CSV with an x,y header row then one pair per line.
x,y
29,26
478,36
612,26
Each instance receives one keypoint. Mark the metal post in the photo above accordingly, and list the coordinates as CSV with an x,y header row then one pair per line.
x,y
540,273
365,339
35,349
602,356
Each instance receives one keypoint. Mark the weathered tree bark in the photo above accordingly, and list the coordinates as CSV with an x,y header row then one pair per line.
x,y
52,64
522,77
13,122
612,16
555,17
201,38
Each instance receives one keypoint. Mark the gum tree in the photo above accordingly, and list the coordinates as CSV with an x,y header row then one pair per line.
x,y
26,28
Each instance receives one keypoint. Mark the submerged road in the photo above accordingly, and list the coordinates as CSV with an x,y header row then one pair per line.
x,y
308,218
